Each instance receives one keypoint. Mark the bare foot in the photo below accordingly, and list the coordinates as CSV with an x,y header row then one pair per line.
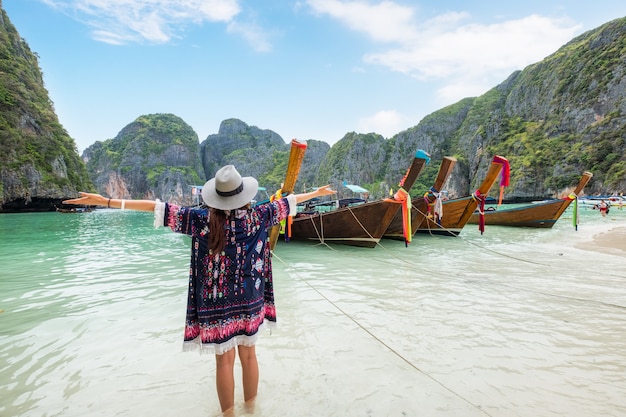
x,y
249,405
228,413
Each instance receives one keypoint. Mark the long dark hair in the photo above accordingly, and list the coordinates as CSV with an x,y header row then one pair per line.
x,y
217,231
217,234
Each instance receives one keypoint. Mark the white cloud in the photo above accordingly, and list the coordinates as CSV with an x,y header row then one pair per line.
x,y
450,49
154,21
253,34
476,49
383,22
476,57
385,122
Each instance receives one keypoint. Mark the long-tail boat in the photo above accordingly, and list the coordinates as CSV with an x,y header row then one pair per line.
x,y
296,156
75,210
420,205
541,215
360,225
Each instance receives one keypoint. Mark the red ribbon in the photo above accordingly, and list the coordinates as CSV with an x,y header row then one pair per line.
x,y
481,210
505,176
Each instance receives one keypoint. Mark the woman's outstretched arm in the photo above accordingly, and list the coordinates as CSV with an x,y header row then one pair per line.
x,y
320,192
90,199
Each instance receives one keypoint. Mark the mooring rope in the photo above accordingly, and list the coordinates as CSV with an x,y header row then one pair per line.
x,y
361,224
481,247
451,233
379,340
402,357
565,297
484,248
320,236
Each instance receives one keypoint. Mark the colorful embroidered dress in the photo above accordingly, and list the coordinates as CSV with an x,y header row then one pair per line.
x,y
231,293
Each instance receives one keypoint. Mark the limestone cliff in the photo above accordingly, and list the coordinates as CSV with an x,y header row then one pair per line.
x,y
553,120
260,153
39,163
156,156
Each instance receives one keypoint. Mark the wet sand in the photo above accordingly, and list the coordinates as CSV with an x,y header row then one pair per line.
x,y
612,241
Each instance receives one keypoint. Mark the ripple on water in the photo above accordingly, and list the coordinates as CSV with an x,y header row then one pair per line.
x,y
521,323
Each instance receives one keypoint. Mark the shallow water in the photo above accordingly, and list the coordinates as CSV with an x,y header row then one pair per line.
x,y
516,322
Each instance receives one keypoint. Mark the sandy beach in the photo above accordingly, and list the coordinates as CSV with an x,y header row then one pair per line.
x,y
612,241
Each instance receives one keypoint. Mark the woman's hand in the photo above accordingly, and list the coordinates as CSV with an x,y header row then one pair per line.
x,y
325,190
321,191
88,199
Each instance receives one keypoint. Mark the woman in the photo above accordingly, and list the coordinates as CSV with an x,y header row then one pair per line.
x,y
230,281
604,208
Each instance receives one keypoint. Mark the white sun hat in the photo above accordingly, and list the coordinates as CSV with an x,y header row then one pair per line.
x,y
229,190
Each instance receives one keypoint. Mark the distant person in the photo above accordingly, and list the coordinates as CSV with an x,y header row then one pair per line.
x,y
231,292
604,208
620,203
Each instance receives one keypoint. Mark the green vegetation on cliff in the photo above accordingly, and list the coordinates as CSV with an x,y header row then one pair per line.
x,y
39,159
154,152
575,119
553,120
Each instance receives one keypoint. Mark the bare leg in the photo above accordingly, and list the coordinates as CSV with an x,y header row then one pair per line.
x,y
225,379
249,371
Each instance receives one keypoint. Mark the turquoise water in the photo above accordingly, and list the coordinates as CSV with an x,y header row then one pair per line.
x,y
516,322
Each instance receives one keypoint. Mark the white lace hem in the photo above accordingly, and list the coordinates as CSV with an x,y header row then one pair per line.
x,y
159,214
221,348
293,204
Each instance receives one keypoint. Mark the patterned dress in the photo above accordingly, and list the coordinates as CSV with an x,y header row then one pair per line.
x,y
231,294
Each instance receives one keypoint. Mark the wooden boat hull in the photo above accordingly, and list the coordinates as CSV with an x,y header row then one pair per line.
x,y
539,215
360,225
454,217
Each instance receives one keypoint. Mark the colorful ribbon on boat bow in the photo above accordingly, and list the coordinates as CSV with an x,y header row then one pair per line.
x,y
437,204
575,217
402,197
505,176
481,210
285,225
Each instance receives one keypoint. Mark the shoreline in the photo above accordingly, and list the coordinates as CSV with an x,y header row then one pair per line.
x,y
612,241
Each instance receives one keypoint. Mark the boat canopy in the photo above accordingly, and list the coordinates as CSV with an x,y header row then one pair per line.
x,y
355,188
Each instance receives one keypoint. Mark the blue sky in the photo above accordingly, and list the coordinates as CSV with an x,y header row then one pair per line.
x,y
306,69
